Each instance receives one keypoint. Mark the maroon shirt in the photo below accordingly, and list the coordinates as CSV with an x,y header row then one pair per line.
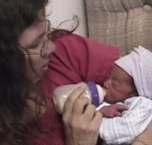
x,y
77,59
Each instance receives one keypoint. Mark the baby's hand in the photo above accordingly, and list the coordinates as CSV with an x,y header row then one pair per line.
x,y
113,110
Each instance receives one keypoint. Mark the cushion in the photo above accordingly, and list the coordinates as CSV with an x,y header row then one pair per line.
x,y
123,23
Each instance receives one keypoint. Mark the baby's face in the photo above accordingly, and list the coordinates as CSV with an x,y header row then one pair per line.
x,y
119,86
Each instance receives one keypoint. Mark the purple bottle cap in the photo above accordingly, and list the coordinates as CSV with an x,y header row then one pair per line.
x,y
94,93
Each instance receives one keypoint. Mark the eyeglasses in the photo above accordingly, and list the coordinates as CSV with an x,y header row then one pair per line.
x,y
41,46
48,30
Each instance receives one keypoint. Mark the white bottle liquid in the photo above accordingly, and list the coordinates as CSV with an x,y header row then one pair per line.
x,y
94,92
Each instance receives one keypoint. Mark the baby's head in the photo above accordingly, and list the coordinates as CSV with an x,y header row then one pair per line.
x,y
119,86
130,73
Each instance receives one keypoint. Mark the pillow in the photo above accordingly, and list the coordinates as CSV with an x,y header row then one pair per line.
x,y
123,23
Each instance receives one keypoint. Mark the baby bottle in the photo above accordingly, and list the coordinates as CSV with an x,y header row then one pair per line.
x,y
94,92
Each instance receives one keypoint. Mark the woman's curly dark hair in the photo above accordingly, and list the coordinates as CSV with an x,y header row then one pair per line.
x,y
15,88
57,32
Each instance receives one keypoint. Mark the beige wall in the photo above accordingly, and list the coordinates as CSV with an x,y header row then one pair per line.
x,y
65,9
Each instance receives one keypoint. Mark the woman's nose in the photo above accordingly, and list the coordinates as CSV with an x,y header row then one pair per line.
x,y
50,47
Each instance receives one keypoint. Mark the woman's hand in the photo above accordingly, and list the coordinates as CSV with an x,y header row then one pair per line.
x,y
81,120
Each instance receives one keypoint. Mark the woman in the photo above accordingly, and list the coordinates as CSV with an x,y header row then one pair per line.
x,y
21,23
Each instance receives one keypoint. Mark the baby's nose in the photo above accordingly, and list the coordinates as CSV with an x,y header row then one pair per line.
x,y
106,84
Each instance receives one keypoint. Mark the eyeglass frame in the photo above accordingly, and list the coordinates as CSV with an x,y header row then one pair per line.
x,y
48,30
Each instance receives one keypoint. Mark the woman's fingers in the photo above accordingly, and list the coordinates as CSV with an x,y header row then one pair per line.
x,y
71,99
96,121
69,103
79,106
81,120
89,112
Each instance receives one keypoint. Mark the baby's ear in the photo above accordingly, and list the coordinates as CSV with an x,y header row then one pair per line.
x,y
121,56
134,93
